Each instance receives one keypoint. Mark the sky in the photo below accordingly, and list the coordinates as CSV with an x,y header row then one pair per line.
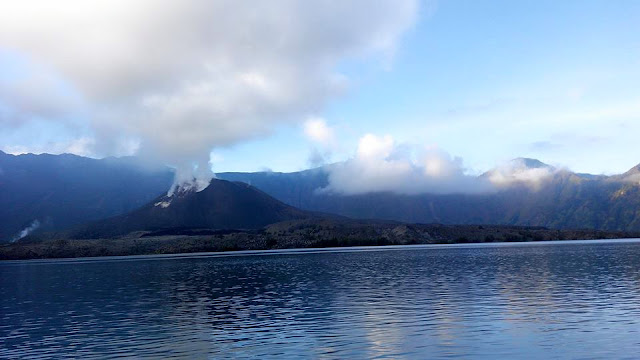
x,y
289,85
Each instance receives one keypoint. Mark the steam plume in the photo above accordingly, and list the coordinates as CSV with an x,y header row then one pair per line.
x,y
26,231
173,80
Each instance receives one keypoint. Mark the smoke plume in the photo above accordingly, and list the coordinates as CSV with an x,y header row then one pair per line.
x,y
26,231
171,80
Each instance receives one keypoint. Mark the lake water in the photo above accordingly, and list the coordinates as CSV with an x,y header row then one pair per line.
x,y
526,300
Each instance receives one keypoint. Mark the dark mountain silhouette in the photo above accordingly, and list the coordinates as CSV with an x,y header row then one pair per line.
x,y
566,200
298,189
64,190
222,205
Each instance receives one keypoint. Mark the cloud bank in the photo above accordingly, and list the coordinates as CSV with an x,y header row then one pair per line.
x,y
381,164
521,171
180,77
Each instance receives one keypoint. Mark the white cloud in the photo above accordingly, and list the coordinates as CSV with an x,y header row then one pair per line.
x,y
215,157
81,146
186,76
323,138
317,130
32,92
372,147
518,171
380,165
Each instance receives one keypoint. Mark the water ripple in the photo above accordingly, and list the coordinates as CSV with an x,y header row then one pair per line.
x,y
539,301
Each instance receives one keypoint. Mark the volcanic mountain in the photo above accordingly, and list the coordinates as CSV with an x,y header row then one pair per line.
x,y
222,205
63,191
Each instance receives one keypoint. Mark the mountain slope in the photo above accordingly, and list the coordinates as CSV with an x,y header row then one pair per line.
x,y
564,200
59,191
296,188
633,175
66,190
222,205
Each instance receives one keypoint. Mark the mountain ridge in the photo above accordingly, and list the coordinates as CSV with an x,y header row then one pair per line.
x,y
61,191
221,205
565,200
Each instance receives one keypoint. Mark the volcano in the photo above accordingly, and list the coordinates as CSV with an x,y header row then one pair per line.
x,y
222,205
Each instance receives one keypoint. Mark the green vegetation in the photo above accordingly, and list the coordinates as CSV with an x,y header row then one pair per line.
x,y
311,233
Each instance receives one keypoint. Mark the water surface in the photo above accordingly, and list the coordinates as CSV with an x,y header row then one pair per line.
x,y
542,300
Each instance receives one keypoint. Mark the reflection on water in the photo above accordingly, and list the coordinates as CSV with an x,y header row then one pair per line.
x,y
578,299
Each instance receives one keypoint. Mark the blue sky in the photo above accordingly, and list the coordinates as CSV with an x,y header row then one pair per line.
x,y
485,81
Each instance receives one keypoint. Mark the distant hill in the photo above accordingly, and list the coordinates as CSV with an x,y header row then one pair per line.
x,y
222,205
297,188
565,200
58,191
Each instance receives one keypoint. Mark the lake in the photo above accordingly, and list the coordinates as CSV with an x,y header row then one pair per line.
x,y
572,299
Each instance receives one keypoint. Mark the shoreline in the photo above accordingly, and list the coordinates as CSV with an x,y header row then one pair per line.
x,y
287,235
306,251
358,237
